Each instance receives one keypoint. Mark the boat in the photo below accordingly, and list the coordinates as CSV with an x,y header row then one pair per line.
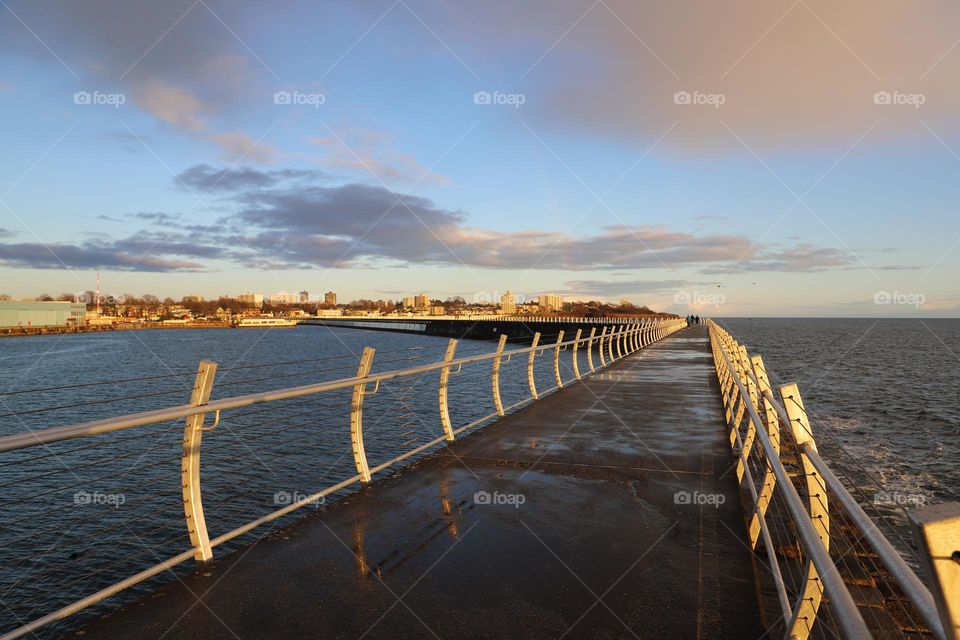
x,y
265,323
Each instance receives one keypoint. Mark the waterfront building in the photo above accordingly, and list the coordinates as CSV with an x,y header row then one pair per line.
x,y
304,297
421,301
251,298
550,302
282,297
408,302
34,313
330,298
508,303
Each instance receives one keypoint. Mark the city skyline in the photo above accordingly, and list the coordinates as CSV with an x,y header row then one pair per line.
x,y
700,170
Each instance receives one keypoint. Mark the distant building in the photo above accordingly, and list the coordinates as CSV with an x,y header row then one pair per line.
x,y
550,302
255,299
33,313
508,303
282,297
421,301
304,297
408,302
196,297
330,298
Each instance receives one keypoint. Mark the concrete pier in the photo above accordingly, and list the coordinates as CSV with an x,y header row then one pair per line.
x,y
606,510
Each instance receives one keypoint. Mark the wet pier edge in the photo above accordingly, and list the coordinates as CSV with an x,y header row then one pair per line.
x,y
607,510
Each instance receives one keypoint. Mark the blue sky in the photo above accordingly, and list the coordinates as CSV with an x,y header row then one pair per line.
x,y
787,185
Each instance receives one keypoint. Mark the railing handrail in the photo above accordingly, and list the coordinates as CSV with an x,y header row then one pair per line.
x,y
651,330
850,618
49,435
913,588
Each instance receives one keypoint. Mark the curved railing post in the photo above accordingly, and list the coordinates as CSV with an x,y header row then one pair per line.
x,y
635,341
613,331
495,378
533,354
356,415
603,345
556,360
620,334
593,332
190,463
744,363
576,346
769,482
809,603
443,396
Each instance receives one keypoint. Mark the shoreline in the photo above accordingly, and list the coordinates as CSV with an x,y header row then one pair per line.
x,y
20,332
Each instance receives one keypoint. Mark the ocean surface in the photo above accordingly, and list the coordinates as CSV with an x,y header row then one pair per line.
x,y
78,515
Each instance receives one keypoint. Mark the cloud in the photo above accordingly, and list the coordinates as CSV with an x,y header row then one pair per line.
x,y
612,288
238,145
291,219
791,73
171,104
288,219
203,177
366,152
86,256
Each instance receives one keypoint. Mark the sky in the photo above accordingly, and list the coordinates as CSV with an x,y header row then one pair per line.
x,y
763,158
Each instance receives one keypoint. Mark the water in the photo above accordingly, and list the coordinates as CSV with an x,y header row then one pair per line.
x,y
78,515
883,399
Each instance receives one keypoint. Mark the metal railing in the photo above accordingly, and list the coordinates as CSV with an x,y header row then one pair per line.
x,y
791,491
619,341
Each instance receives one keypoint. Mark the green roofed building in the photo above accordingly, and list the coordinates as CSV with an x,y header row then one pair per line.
x,y
33,313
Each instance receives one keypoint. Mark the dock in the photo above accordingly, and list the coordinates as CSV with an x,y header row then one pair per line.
x,y
591,536
663,488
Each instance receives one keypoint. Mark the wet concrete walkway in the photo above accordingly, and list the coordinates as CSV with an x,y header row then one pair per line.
x,y
576,517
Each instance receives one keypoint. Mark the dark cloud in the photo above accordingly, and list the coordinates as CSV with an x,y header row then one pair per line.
x,y
87,256
203,177
283,220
